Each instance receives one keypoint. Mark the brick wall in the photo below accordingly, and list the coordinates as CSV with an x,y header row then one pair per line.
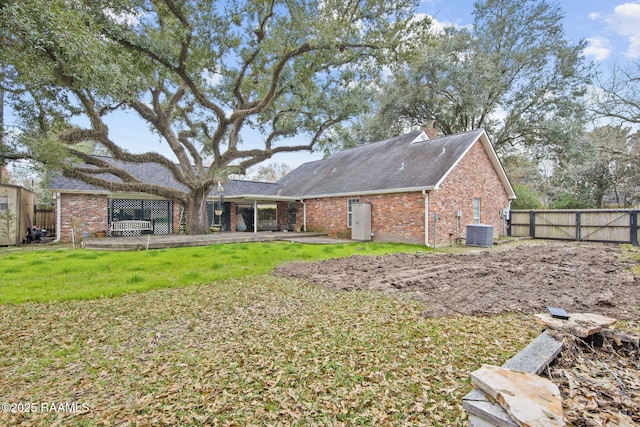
x,y
394,217
400,217
87,212
283,216
177,207
473,177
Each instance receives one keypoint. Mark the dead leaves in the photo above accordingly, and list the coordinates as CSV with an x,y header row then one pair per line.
x,y
600,385
260,351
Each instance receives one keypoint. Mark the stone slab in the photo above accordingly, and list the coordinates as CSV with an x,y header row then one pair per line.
x,y
581,325
530,400
534,358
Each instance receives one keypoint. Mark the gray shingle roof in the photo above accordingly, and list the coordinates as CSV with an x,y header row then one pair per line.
x,y
157,174
396,163
403,162
147,172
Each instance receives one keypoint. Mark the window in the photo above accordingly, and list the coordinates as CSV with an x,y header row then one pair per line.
x,y
476,210
350,202
4,203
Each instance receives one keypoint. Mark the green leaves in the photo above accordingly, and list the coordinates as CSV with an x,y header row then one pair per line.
x,y
513,73
198,73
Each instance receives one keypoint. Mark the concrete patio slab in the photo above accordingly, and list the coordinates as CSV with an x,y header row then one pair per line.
x,y
150,241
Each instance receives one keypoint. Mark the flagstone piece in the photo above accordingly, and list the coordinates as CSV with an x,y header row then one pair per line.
x,y
581,325
530,400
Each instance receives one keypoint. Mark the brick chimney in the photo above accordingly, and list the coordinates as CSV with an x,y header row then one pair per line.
x,y
430,130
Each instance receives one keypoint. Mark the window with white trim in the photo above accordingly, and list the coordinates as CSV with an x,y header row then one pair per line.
x,y
350,202
476,210
4,203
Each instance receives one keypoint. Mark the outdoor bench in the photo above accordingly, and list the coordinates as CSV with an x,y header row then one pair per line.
x,y
119,227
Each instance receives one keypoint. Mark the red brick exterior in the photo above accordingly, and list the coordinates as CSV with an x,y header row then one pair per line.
x,y
400,217
396,217
88,213
473,177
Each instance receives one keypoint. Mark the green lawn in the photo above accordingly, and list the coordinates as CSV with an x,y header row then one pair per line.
x,y
64,274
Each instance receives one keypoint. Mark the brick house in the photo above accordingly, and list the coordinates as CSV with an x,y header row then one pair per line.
x,y
418,190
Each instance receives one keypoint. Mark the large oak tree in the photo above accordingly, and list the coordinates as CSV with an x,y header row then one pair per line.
x,y
198,72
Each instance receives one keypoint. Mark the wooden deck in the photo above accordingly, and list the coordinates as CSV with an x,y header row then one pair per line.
x,y
151,241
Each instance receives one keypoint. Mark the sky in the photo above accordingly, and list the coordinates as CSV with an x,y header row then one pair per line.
x,y
611,29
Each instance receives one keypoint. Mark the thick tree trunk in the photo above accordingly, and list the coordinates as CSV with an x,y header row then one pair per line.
x,y
196,210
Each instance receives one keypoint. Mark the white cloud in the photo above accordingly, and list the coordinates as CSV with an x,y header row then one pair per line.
x,y
437,26
594,16
598,48
211,77
131,19
625,20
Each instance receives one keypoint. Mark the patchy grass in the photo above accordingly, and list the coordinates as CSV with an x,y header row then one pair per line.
x,y
63,274
256,350
632,252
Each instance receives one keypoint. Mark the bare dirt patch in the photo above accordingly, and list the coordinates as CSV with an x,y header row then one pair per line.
x,y
525,278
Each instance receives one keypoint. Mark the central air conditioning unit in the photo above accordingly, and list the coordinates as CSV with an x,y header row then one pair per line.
x,y
479,235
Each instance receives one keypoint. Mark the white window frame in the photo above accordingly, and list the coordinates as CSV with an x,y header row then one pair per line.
x,y
4,203
477,210
350,203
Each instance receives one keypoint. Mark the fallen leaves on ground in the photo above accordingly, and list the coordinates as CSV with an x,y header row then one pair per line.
x,y
599,382
256,351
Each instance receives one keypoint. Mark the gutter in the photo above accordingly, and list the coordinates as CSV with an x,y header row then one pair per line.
x,y
367,192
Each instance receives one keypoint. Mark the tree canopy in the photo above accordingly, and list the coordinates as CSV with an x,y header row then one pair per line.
x,y
618,96
513,73
199,73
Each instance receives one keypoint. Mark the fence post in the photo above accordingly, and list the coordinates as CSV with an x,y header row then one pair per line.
x,y
578,227
633,227
532,224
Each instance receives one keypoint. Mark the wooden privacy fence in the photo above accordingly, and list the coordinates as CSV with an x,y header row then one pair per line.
x,y
45,217
605,225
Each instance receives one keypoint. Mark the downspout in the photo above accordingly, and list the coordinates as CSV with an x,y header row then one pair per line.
x,y
255,216
304,215
426,217
58,219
